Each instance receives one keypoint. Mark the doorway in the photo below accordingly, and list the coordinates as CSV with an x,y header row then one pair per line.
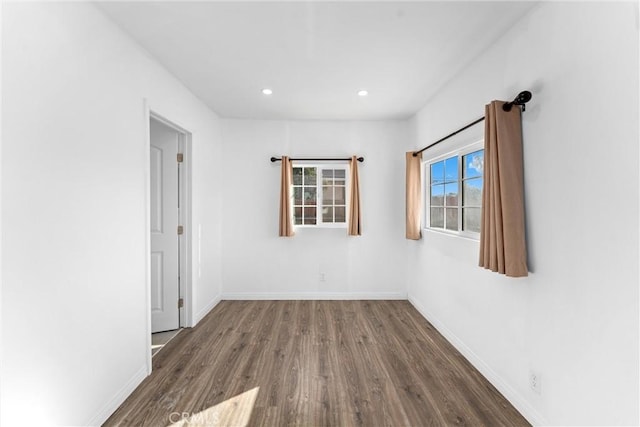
x,y
169,207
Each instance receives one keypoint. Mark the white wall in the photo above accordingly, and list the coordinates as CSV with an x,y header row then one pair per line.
x,y
574,320
259,264
74,308
1,341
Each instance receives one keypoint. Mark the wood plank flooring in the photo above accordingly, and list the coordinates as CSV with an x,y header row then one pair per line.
x,y
314,363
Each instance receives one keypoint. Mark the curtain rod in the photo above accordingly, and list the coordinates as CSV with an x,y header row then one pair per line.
x,y
522,98
277,159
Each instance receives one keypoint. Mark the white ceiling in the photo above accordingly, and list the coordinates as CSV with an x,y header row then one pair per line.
x,y
315,55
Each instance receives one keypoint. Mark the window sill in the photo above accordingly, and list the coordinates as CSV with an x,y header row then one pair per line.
x,y
323,226
471,237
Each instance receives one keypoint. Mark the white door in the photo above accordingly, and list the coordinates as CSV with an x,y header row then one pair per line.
x,y
165,314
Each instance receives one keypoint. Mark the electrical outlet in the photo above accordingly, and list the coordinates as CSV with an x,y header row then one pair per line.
x,y
323,277
535,381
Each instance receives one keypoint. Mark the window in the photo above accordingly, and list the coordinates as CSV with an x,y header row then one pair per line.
x,y
320,195
454,191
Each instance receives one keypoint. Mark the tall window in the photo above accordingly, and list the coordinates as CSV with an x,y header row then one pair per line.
x,y
320,195
454,191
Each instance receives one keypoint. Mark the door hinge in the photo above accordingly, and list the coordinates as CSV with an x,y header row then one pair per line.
x,y
180,302
180,230
180,157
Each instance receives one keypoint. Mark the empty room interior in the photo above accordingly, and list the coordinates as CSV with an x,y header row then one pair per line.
x,y
316,213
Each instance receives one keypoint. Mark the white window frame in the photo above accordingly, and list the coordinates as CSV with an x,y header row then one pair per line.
x,y
426,180
319,201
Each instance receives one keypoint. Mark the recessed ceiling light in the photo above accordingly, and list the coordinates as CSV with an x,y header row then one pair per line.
x,y
267,91
363,92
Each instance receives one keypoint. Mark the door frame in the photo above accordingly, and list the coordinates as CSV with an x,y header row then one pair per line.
x,y
185,214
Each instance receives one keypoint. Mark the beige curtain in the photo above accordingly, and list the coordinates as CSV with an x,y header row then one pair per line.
x,y
502,237
286,217
413,196
354,223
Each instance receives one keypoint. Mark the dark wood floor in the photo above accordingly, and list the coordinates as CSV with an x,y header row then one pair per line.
x,y
332,363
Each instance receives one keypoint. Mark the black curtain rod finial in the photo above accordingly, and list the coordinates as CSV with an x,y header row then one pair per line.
x,y
522,98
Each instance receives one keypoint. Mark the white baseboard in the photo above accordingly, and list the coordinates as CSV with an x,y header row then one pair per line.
x,y
117,400
314,296
200,314
515,398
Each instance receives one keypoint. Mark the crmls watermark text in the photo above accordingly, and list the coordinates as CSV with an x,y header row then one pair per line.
x,y
205,418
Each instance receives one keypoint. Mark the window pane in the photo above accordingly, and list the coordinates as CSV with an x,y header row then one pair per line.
x,y
297,195
309,215
309,196
437,217
339,196
472,192
297,176
473,164
327,195
437,173
327,215
340,214
327,176
451,194
297,215
437,195
451,169
309,176
452,219
471,219
339,173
